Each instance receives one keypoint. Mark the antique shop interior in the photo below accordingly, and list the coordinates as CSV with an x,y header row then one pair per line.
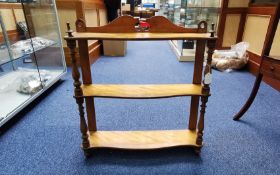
x,y
139,87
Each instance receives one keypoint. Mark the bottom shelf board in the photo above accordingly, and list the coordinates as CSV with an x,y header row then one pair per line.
x,y
142,139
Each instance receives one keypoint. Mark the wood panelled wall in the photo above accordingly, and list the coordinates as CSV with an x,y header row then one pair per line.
x,y
257,30
232,20
11,14
242,21
92,11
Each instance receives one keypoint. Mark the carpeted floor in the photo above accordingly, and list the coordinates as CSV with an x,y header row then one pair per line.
x,y
45,138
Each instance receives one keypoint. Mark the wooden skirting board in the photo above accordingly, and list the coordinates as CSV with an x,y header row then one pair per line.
x,y
94,53
12,34
253,67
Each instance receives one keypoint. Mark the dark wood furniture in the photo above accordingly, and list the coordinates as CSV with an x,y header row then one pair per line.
x,y
236,17
269,66
231,23
123,28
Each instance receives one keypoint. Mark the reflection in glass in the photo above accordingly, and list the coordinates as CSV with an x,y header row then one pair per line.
x,y
31,56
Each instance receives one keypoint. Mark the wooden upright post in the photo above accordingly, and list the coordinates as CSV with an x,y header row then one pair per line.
x,y
78,93
197,78
86,75
206,87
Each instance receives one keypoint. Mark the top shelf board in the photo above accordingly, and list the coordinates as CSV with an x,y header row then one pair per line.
x,y
127,28
139,36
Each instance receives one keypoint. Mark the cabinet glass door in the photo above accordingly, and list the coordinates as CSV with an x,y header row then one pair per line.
x,y
45,37
31,55
19,76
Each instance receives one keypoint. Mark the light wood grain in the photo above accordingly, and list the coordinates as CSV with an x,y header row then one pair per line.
x,y
256,35
231,29
238,3
142,139
139,36
141,91
276,43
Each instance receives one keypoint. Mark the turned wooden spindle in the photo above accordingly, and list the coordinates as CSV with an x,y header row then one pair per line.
x,y
69,31
212,31
78,93
203,106
206,87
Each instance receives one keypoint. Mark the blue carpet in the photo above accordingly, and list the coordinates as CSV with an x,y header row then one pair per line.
x,y
46,139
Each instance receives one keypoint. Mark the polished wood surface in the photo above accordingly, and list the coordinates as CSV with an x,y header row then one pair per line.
x,y
142,139
141,91
253,67
13,35
205,89
158,24
139,36
87,79
70,11
88,4
124,24
197,78
251,98
4,5
269,67
78,92
124,28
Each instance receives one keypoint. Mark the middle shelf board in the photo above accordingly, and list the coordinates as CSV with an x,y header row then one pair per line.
x,y
141,91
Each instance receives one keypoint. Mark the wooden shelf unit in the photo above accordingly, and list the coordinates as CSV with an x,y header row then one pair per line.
x,y
124,28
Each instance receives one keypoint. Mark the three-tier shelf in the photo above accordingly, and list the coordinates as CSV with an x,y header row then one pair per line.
x,y
125,28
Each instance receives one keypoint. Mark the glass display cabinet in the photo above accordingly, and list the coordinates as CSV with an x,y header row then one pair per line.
x,y
31,56
188,13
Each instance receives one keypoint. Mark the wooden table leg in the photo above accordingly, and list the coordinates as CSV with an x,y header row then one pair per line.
x,y
250,99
